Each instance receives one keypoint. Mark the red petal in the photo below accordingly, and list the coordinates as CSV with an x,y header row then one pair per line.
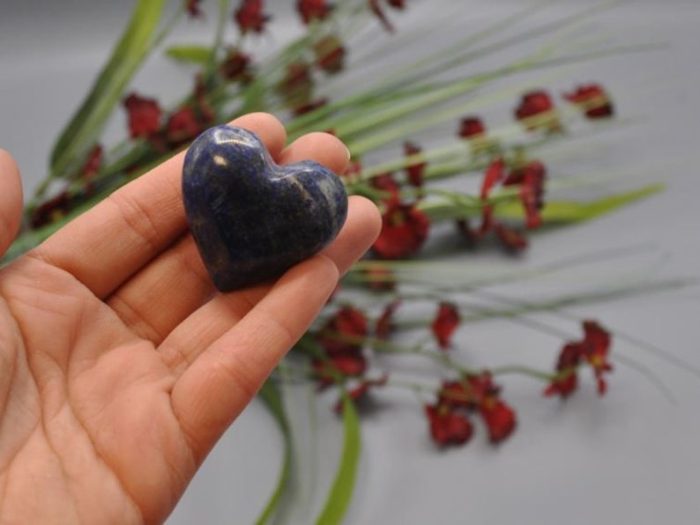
x,y
313,10
349,323
182,126
445,324
143,115
471,127
494,174
593,100
404,230
384,325
534,103
385,182
330,54
448,427
236,66
415,171
250,17
500,420
563,387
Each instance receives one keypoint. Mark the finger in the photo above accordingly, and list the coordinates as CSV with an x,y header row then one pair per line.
x,y
324,148
216,388
215,318
163,293
10,200
109,243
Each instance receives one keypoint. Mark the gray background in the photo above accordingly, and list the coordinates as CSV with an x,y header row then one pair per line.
x,y
631,457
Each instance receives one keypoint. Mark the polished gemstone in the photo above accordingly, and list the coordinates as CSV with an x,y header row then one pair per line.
x,y
251,218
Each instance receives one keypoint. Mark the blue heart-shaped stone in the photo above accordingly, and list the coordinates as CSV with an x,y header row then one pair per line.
x,y
252,219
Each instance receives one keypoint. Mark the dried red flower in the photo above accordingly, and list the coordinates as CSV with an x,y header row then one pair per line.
x,y
532,197
534,103
415,171
344,332
250,17
310,10
143,116
593,100
499,418
328,371
182,126
478,392
194,10
536,111
445,323
567,363
236,66
404,230
384,326
471,127
448,427
597,348
330,54
470,392
93,162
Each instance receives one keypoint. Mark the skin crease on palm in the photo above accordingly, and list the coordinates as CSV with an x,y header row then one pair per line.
x,y
120,367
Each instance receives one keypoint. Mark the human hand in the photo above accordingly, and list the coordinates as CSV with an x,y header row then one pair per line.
x,y
120,367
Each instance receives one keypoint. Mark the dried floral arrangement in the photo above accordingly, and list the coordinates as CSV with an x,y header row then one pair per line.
x,y
488,182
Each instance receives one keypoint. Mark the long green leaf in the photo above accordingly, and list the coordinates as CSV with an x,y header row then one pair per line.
x,y
190,54
564,212
272,398
340,494
87,123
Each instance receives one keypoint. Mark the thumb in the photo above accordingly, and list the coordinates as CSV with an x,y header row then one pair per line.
x,y
10,200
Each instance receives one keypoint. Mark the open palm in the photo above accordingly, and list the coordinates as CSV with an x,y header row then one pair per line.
x,y
119,365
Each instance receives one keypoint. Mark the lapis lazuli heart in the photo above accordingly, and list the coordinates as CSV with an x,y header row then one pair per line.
x,y
252,219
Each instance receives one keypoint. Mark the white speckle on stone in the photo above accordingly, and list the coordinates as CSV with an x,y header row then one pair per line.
x,y
220,161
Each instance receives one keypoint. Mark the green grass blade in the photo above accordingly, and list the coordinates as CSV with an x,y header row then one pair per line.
x,y
272,398
87,123
190,54
566,212
340,494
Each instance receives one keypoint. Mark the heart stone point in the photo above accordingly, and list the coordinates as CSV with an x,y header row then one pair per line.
x,y
251,218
